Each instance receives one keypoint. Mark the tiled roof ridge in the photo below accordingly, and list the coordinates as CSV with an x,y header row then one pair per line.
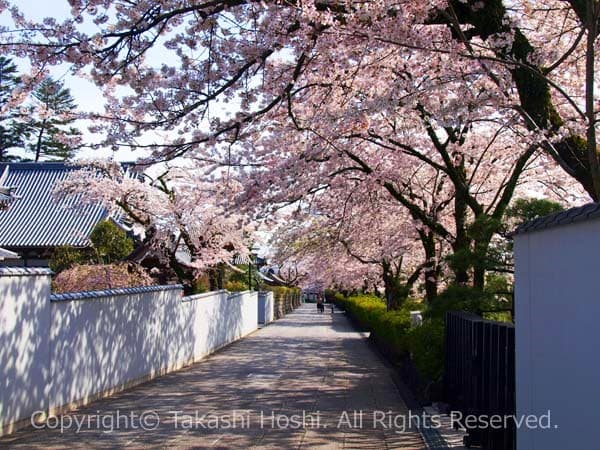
x,y
7,271
54,165
572,215
68,296
38,219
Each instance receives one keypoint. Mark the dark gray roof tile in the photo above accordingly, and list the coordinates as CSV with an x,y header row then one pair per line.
x,y
594,213
24,271
578,214
69,296
38,218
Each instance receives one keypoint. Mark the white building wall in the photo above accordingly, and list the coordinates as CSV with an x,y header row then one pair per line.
x,y
557,308
266,307
220,318
58,351
105,342
24,344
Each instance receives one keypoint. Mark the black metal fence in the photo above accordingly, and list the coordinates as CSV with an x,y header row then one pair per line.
x,y
479,376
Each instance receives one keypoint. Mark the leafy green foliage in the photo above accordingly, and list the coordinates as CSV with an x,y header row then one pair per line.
x,y
461,298
240,277
365,310
110,242
10,132
497,284
481,253
489,249
392,332
47,131
526,209
236,286
201,285
426,343
284,291
65,257
391,329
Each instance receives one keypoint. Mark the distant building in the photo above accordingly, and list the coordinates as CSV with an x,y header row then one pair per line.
x,y
6,254
34,222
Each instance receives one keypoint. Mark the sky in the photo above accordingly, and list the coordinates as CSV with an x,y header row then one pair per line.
x,y
87,96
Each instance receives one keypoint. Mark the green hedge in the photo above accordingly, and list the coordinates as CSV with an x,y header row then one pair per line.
x,y
236,286
365,310
423,345
426,344
392,333
283,291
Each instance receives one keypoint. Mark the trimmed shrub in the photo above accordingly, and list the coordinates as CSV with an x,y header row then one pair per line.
x,y
420,350
365,310
201,284
100,277
110,242
426,345
461,298
64,257
236,286
109,245
390,333
286,299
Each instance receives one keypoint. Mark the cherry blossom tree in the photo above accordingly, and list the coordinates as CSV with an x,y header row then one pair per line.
x,y
317,261
446,106
369,229
255,55
173,212
429,164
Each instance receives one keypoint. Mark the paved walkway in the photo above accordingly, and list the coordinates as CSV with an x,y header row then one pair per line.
x,y
253,394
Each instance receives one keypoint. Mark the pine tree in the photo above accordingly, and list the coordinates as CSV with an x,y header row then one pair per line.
x,y
49,134
11,133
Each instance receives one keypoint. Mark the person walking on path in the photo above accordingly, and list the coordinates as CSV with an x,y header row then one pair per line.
x,y
320,305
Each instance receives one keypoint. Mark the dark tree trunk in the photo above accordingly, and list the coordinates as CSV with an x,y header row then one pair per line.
x,y
462,243
534,90
431,268
38,145
395,291
479,268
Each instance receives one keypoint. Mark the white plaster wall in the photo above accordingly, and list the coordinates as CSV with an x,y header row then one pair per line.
x,y
557,306
64,349
24,344
266,307
98,344
220,318
102,343
248,310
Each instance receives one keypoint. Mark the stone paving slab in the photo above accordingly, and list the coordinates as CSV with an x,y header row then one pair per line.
x,y
307,381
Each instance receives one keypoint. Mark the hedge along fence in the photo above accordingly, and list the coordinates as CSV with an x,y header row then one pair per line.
x,y
286,299
419,348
